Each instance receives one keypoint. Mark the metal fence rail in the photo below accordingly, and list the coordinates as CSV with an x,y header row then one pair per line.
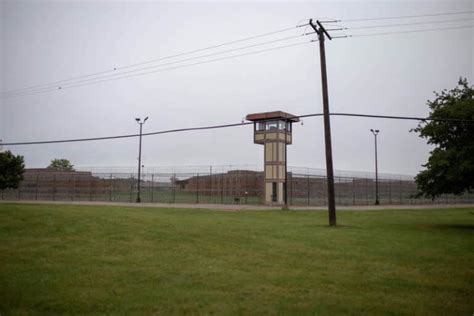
x,y
222,187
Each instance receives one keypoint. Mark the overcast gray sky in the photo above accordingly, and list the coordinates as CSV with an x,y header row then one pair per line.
x,y
390,75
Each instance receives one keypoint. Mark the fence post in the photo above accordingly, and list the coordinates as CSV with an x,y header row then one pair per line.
x,y
90,189
73,186
241,192
325,192
152,187
72,194
54,187
197,188
36,188
174,187
111,187
131,187
400,190
307,187
390,192
353,192
291,188
366,191
222,188
210,184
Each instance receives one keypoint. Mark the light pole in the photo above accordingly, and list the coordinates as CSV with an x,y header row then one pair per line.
x,y
375,132
139,121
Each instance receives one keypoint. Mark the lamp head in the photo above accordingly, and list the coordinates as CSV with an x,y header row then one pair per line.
x,y
137,119
146,118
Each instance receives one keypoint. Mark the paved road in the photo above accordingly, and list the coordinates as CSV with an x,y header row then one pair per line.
x,y
242,207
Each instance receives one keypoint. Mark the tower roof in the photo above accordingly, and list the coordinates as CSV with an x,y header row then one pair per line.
x,y
263,116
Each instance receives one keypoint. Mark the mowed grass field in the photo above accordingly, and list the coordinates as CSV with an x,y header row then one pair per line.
x,y
116,260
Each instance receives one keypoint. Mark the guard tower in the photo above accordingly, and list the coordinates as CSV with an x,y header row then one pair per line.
x,y
273,131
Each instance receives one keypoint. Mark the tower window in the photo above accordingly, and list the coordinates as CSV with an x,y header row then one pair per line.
x,y
272,125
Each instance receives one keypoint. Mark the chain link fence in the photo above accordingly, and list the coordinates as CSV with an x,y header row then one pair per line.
x,y
216,185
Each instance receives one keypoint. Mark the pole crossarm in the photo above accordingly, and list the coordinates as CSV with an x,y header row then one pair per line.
x,y
319,28
315,28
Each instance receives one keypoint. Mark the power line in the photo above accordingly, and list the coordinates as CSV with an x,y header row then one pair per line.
x,y
394,117
58,82
407,16
153,60
126,136
403,24
232,125
51,88
170,68
44,87
411,31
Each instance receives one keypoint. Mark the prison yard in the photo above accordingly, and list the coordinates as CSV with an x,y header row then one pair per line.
x,y
78,259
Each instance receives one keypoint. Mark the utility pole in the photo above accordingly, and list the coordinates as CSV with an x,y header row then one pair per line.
x,y
139,121
376,132
322,33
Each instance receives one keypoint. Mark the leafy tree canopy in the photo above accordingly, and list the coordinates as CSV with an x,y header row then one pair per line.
x,y
11,170
450,168
61,165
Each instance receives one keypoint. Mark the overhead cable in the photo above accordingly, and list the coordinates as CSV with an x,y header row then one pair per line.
x,y
152,60
75,82
231,125
406,16
170,68
412,31
403,24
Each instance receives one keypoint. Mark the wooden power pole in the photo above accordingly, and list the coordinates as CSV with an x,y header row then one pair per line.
x,y
322,33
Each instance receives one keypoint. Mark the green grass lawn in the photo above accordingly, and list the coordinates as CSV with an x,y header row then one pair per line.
x,y
119,260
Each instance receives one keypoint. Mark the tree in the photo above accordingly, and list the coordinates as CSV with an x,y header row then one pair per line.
x,y
450,168
11,170
61,165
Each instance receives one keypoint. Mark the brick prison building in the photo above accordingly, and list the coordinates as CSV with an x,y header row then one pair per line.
x,y
49,184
